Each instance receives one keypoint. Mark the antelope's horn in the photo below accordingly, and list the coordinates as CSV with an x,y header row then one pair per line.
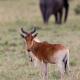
x,y
24,31
34,30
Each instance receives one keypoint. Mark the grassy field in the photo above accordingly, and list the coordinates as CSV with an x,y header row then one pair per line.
x,y
14,62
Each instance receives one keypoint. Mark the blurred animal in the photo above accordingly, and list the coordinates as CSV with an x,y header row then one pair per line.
x,y
54,7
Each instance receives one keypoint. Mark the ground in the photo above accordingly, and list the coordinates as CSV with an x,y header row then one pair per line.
x,y
14,62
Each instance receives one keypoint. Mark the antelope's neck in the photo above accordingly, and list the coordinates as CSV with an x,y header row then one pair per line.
x,y
35,46
36,40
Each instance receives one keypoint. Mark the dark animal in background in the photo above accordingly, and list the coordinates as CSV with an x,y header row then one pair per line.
x,y
55,7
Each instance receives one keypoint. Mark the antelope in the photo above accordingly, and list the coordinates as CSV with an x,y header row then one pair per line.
x,y
45,53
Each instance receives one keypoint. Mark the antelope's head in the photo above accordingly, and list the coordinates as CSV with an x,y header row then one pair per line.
x,y
29,37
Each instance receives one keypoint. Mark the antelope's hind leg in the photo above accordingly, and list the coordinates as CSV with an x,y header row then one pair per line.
x,y
44,68
61,69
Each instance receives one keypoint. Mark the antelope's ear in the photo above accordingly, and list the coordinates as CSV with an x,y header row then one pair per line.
x,y
35,35
22,36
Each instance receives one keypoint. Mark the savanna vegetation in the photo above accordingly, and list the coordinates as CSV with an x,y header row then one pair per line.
x,y
14,62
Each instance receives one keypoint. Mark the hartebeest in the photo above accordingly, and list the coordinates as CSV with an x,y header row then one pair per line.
x,y
47,53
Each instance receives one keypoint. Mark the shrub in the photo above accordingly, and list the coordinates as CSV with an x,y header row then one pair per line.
x,y
77,9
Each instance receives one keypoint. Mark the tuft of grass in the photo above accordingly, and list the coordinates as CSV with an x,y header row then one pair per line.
x,y
73,63
77,10
55,76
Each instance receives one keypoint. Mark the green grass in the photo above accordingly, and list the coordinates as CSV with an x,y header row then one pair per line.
x,y
14,62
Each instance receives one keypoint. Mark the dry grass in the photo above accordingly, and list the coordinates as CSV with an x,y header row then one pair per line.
x,y
14,63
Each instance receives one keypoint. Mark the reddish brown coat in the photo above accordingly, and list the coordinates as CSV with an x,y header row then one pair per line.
x,y
43,50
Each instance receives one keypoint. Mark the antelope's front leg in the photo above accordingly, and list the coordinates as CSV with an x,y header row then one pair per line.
x,y
44,71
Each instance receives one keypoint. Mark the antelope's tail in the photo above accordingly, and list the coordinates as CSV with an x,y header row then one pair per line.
x,y
66,62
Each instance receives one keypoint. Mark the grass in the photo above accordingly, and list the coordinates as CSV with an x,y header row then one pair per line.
x,y
14,62
77,9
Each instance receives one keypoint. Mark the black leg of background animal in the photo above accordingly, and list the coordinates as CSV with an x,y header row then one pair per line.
x,y
55,17
47,18
43,12
66,5
48,14
60,16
